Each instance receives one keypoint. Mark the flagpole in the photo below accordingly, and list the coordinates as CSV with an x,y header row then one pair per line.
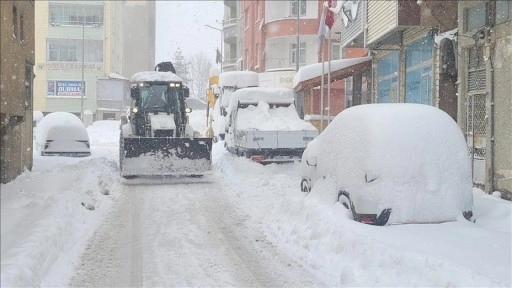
x,y
329,78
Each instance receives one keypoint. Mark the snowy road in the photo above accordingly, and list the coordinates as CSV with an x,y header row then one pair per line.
x,y
183,235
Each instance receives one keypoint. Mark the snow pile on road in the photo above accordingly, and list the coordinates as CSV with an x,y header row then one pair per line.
x,y
45,222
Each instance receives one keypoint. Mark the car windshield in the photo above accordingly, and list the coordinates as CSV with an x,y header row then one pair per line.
x,y
256,143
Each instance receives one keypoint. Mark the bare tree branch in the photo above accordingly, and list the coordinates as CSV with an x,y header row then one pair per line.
x,y
200,66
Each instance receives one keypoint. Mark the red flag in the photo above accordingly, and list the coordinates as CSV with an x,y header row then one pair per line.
x,y
218,58
329,16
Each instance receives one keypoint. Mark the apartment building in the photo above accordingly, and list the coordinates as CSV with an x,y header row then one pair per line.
x,y
16,87
81,44
271,34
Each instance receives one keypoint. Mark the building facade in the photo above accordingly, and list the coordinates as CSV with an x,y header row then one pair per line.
x,y
16,88
454,55
271,34
485,89
80,42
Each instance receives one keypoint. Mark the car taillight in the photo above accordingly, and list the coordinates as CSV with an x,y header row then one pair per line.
x,y
258,158
368,219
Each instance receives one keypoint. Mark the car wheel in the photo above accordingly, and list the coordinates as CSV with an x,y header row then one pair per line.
x,y
305,186
344,200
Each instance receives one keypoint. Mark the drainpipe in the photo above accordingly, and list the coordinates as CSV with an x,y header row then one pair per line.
x,y
488,50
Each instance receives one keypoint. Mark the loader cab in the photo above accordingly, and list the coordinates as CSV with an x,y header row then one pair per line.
x,y
158,97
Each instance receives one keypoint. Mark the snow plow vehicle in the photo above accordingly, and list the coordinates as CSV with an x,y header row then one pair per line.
x,y
155,138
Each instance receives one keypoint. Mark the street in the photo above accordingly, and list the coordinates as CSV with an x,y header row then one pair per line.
x,y
183,235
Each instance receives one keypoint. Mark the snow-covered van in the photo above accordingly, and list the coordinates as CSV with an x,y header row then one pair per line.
x,y
263,125
229,82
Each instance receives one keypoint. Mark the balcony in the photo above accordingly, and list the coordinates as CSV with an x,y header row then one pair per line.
x,y
352,24
388,19
230,3
230,31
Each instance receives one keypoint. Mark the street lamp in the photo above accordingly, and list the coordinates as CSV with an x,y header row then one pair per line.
x,y
221,42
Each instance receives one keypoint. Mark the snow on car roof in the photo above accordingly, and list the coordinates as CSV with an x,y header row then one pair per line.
x,y
238,79
155,76
263,118
260,93
61,126
315,70
411,157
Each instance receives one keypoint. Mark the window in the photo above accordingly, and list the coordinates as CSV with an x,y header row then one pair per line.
x,y
503,11
14,21
295,3
476,17
302,54
388,78
418,78
336,51
257,54
246,18
70,50
67,14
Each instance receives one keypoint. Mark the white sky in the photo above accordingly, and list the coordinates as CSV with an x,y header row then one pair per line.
x,y
181,24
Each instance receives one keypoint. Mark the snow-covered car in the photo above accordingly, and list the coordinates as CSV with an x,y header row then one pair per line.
x,y
392,163
264,126
62,134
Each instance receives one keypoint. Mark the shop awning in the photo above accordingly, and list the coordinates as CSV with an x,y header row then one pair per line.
x,y
311,75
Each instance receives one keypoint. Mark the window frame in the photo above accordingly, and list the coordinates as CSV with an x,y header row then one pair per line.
x,y
302,53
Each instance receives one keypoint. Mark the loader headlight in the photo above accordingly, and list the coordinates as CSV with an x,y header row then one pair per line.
x,y
135,109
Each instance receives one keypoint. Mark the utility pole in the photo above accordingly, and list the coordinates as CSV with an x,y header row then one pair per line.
x,y
297,52
83,83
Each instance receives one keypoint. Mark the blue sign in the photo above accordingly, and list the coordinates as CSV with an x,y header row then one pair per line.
x,y
69,88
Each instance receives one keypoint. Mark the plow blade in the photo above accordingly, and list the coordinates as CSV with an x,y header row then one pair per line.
x,y
165,156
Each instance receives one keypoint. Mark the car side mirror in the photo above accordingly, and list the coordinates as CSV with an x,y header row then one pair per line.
x,y
311,161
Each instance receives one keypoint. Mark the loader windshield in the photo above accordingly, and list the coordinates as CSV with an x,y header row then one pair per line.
x,y
159,98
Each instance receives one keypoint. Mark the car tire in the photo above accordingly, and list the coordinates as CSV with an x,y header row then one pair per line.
x,y
345,201
305,186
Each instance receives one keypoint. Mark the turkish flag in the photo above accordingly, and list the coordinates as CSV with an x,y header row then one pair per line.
x,y
329,16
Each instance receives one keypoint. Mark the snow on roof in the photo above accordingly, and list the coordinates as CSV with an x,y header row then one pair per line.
x,y
117,76
260,93
416,153
238,79
155,76
448,34
315,70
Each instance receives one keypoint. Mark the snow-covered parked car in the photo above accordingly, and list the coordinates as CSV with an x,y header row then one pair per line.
x,y
62,134
264,126
392,163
